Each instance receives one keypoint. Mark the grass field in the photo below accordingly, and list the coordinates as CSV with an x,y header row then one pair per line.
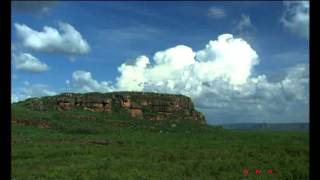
x,y
85,145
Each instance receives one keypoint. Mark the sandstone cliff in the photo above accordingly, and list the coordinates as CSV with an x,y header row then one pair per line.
x,y
151,106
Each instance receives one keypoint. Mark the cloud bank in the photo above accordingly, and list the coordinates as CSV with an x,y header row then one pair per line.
x,y
181,69
219,79
296,17
50,40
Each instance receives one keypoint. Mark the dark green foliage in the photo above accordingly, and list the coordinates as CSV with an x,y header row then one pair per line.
x,y
156,150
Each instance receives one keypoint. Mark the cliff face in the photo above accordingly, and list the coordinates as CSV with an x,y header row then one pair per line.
x,y
152,106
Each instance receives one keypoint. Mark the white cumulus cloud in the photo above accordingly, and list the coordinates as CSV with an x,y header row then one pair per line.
x,y
133,76
181,68
227,57
31,90
219,79
82,81
68,40
296,17
29,63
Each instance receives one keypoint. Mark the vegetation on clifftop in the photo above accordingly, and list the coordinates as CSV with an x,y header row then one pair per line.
x,y
141,105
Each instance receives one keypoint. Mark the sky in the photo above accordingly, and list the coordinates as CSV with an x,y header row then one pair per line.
x,y
238,61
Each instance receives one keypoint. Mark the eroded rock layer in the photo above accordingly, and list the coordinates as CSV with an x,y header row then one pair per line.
x,y
152,106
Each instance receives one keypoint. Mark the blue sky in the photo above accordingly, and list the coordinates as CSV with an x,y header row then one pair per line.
x,y
270,85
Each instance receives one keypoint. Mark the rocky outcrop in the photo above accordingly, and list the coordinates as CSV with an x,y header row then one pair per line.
x,y
152,106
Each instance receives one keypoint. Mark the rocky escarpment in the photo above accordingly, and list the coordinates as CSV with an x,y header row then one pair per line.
x,y
140,105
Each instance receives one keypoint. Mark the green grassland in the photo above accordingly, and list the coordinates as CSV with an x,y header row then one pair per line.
x,y
143,150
